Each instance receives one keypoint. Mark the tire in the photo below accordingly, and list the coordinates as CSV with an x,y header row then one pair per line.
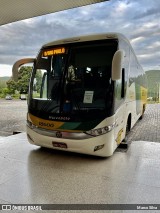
x,y
128,127
141,117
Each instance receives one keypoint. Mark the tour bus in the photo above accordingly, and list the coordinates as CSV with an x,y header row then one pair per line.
x,y
85,94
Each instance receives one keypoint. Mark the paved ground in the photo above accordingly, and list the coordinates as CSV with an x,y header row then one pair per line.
x,y
147,129
33,175
13,118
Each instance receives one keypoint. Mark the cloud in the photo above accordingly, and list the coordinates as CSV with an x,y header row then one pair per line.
x,y
7,69
148,12
137,20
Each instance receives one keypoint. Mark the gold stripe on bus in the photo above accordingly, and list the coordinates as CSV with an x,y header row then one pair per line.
x,y
42,123
144,94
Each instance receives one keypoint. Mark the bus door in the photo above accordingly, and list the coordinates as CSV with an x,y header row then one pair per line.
x,y
119,107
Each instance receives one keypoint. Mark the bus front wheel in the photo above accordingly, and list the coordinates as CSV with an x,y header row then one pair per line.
x,y
143,110
128,127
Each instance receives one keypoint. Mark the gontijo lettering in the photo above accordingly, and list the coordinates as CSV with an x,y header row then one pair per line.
x,y
46,124
55,51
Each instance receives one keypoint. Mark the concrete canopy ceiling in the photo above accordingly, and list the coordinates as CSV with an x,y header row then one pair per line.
x,y
15,10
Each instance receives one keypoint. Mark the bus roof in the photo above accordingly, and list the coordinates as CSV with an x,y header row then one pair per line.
x,y
87,38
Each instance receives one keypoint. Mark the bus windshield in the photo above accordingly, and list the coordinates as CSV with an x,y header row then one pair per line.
x,y
73,79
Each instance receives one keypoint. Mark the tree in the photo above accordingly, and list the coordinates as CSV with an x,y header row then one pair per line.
x,y
3,86
11,86
24,75
22,85
5,91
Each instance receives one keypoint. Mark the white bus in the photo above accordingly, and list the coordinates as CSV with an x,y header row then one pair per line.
x,y
85,94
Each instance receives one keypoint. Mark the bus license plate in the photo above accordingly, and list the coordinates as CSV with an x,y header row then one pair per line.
x,y
59,145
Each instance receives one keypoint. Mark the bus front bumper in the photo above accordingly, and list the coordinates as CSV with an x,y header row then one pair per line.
x,y
102,145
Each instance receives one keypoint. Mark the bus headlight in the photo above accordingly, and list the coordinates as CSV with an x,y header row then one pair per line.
x,y
100,131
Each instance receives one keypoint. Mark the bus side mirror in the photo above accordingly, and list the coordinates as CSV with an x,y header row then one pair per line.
x,y
19,63
117,65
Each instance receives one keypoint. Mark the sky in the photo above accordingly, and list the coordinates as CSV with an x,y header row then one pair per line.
x,y
138,20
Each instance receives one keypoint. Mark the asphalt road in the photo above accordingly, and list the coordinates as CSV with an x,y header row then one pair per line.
x,y
12,116
13,119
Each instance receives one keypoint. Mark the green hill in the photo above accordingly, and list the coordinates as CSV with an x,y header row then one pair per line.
x,y
3,81
153,77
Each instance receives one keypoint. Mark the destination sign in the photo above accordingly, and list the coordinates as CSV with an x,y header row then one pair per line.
x,y
54,51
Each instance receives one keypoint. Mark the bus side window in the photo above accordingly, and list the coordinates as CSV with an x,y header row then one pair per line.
x,y
118,89
120,86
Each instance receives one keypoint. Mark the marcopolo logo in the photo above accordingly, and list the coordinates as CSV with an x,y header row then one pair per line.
x,y
59,134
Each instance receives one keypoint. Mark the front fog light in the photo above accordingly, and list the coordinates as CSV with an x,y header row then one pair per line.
x,y
96,148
